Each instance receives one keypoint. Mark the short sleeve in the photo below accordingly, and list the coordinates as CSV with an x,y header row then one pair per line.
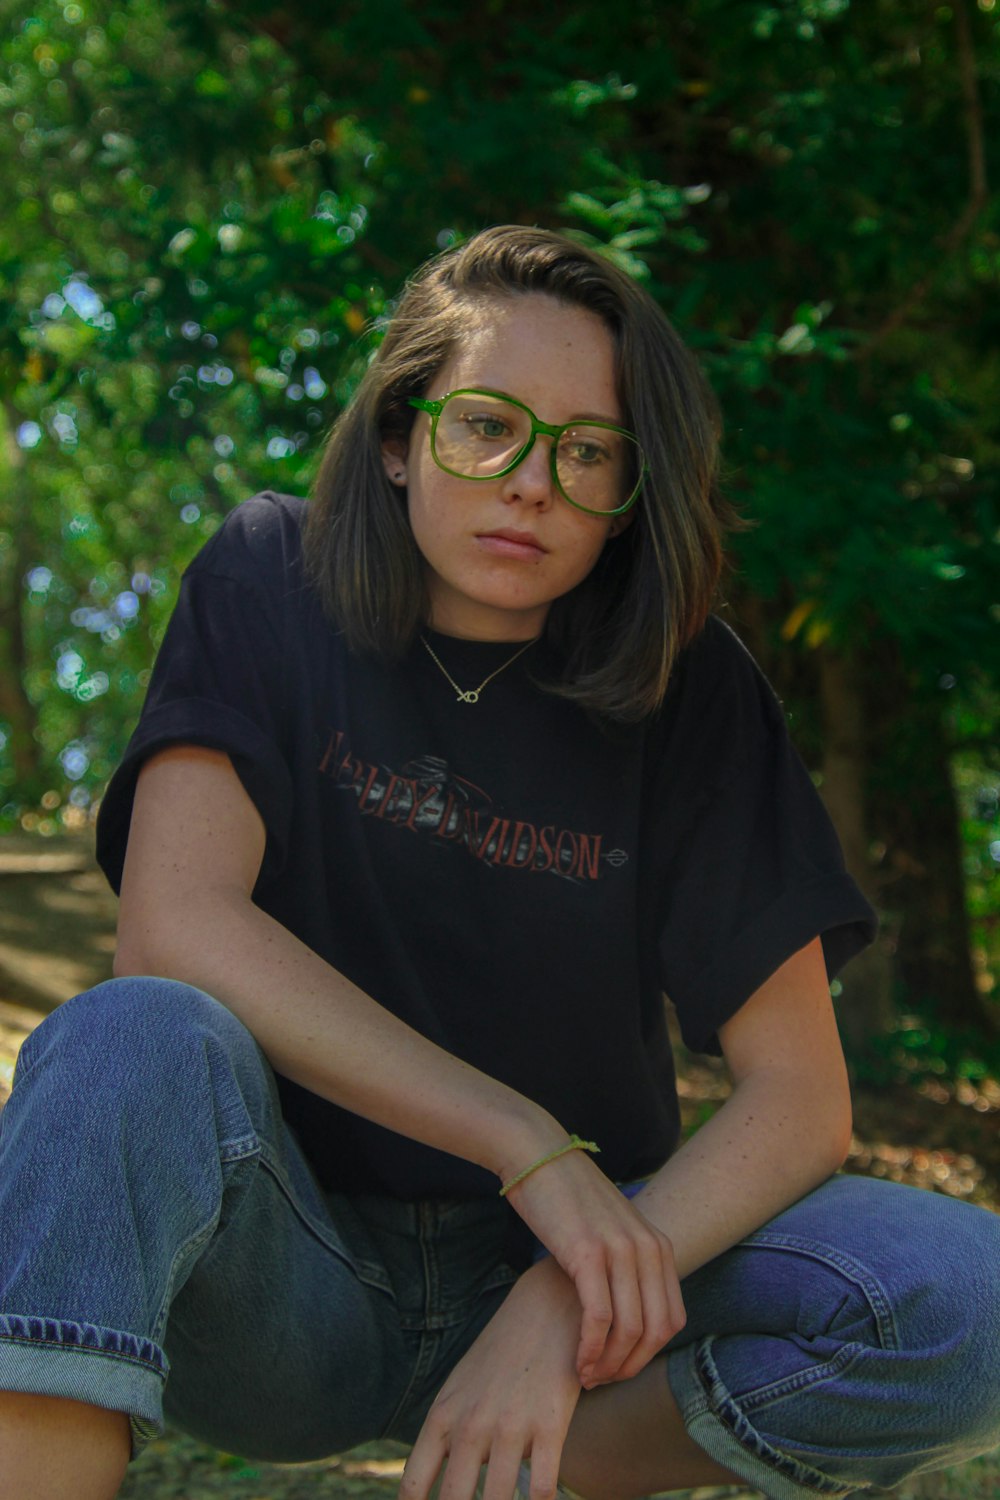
x,y
217,682
750,867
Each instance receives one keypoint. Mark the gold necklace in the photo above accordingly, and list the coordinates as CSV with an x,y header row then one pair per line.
x,y
471,695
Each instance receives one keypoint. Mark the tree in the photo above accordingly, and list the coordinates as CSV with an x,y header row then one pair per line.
x,y
234,192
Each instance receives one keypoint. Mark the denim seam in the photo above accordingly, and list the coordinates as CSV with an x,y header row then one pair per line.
x,y
429,1340
190,1248
764,1395
424,1362
440,1322
115,1354
432,1282
846,1266
239,1150
504,1275
195,1243
156,1365
368,1272
720,1404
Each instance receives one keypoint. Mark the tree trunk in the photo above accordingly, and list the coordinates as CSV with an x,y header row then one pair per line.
x,y
885,761
17,712
865,1009
16,709
916,818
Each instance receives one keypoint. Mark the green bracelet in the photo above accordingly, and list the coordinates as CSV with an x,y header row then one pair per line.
x,y
573,1144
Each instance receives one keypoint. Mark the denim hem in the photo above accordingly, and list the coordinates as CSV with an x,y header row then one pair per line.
x,y
79,1361
716,1424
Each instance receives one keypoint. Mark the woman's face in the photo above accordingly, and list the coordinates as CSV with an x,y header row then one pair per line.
x,y
499,551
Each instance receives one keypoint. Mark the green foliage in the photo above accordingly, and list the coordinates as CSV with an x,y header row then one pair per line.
x,y
925,1048
213,205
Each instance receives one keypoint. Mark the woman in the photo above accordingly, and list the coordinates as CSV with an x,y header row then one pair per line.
x,y
435,792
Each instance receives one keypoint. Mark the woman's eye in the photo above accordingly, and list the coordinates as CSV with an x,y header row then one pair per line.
x,y
586,454
487,427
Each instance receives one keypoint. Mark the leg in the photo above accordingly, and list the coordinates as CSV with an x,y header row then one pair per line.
x,y
852,1342
628,1440
50,1446
145,1170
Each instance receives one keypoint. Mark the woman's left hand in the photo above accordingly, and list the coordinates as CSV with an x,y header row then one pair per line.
x,y
621,1265
511,1397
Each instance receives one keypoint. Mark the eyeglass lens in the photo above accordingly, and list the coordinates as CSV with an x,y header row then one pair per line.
x,y
479,435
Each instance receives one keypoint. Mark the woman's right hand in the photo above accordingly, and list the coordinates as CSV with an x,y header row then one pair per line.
x,y
511,1397
621,1265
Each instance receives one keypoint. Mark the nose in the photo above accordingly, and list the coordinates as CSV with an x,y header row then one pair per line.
x,y
531,481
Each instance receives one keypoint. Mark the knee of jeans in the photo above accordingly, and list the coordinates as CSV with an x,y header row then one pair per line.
x,y
950,1331
137,1031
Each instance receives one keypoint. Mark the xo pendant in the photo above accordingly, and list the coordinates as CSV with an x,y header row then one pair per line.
x,y
471,695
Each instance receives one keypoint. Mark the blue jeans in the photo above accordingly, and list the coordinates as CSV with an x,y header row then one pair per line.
x,y
157,1216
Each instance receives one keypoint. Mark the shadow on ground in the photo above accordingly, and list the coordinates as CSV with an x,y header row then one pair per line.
x,y
57,926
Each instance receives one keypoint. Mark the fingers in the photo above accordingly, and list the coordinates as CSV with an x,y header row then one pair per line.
x,y
621,1266
646,1307
424,1464
597,1303
501,1475
462,1474
639,1318
464,1460
626,1326
546,1457
431,1453
663,1312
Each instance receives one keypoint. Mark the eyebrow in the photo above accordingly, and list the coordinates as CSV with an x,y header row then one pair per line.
x,y
581,416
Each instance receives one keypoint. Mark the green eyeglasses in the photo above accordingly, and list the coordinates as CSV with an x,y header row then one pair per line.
x,y
477,434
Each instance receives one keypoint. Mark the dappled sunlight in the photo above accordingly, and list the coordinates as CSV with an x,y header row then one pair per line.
x,y
961,1176
982,1096
57,922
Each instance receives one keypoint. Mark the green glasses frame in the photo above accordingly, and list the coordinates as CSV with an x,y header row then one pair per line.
x,y
435,407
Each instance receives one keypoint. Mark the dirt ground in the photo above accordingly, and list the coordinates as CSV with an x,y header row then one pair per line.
x,y
57,923
57,919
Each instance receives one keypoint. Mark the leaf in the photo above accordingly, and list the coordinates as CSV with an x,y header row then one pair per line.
x,y
795,620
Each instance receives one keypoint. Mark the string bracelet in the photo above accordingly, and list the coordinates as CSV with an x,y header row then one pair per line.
x,y
573,1144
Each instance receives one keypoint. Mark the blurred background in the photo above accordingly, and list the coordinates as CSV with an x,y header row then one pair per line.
x,y
208,209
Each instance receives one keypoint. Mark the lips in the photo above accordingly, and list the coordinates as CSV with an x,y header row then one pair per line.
x,y
519,543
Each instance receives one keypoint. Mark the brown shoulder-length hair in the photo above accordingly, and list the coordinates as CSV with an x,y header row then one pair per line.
x,y
616,635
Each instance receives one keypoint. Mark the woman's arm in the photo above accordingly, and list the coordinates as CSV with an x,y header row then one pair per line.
x,y
784,1129
195,848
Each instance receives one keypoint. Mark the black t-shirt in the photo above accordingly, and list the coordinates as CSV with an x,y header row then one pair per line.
x,y
516,883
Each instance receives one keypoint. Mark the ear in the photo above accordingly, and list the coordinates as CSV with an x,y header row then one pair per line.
x,y
619,524
394,455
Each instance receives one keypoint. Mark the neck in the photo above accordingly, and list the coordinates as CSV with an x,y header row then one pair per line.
x,y
482,623
481,638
